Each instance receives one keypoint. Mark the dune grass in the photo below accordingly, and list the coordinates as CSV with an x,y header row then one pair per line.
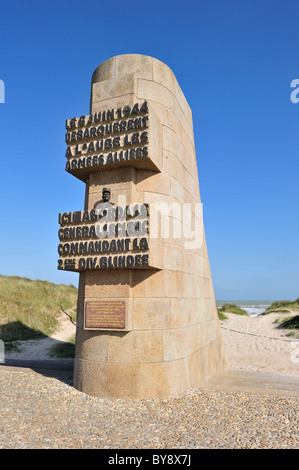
x,y
284,306
31,309
231,308
291,323
221,315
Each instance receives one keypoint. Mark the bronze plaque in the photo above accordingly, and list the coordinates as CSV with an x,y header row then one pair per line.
x,y
105,314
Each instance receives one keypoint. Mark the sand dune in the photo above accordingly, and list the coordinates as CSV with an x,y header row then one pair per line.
x,y
260,344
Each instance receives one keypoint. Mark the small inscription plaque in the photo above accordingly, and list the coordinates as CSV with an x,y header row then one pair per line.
x,y
105,314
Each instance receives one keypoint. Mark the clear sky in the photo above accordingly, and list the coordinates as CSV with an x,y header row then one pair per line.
x,y
234,60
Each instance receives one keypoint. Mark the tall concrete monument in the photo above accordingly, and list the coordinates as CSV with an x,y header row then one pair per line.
x,y
147,322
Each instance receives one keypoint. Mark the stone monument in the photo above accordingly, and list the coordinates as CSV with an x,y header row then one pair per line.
x,y
147,322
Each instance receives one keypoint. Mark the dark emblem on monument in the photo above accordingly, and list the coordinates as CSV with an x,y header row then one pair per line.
x,y
106,194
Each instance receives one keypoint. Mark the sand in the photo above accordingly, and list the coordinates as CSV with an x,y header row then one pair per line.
x,y
260,344
251,343
41,349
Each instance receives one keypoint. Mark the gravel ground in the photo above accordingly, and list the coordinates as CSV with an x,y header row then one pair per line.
x,y
42,412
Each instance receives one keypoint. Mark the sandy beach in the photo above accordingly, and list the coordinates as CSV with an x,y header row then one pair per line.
x,y
260,344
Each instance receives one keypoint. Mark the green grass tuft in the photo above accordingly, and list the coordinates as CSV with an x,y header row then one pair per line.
x,y
284,306
232,308
221,315
291,323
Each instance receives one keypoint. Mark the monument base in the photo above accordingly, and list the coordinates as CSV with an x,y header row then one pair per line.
x,y
170,344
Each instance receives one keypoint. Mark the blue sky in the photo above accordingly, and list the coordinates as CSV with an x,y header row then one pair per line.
x,y
234,61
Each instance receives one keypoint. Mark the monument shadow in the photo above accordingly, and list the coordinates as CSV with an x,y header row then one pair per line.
x,y
15,336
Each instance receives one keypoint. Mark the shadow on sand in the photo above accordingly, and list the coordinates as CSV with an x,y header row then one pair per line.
x,y
18,343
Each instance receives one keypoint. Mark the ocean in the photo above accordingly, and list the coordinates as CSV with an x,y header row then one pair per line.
x,y
252,307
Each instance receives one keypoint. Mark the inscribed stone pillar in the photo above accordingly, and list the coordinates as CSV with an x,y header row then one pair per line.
x,y
147,322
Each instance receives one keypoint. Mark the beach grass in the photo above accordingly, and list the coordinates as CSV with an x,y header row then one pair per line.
x,y
30,309
221,315
284,306
231,308
291,323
